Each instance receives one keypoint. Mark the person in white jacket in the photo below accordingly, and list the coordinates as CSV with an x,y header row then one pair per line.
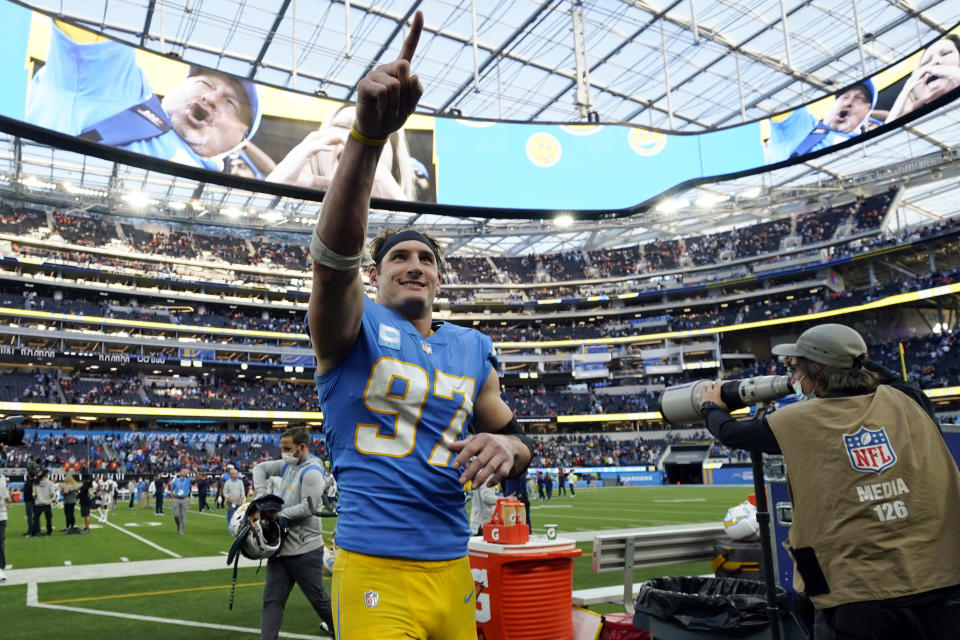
x,y
483,501
46,492
233,493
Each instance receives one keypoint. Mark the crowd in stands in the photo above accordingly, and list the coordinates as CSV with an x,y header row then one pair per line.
x,y
820,225
760,238
752,309
595,450
200,392
236,394
143,454
89,229
146,454
931,361
20,220
283,322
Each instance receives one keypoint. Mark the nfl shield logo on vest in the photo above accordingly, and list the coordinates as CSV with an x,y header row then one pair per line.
x,y
371,599
869,450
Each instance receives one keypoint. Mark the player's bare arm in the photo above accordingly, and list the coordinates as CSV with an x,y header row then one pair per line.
x,y
386,97
491,455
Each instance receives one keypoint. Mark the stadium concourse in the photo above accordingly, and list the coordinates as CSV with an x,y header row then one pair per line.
x,y
699,184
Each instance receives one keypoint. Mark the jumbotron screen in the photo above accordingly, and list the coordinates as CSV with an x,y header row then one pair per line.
x,y
105,92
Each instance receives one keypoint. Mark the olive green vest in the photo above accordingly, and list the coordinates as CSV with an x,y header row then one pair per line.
x,y
876,498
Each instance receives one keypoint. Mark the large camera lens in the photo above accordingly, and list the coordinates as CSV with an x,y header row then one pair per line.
x,y
681,404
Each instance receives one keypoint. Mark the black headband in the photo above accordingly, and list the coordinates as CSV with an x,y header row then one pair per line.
x,y
402,236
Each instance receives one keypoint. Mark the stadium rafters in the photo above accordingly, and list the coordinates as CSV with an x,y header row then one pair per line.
x,y
700,65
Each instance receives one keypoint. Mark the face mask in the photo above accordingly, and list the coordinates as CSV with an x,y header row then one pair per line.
x,y
290,458
798,390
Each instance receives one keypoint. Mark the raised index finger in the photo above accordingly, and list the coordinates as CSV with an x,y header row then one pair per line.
x,y
410,44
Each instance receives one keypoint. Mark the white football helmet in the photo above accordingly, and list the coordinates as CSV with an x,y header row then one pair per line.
x,y
740,522
238,520
256,537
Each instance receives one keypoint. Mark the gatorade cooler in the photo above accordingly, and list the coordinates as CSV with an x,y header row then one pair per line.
x,y
524,591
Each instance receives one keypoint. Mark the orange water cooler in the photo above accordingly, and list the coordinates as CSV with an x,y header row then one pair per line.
x,y
525,590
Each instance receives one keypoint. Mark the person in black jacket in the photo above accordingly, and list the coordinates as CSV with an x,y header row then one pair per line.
x,y
33,527
203,487
86,500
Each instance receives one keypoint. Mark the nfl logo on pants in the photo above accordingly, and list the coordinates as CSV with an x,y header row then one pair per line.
x,y
371,599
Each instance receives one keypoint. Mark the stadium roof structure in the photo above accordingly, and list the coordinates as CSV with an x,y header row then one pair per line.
x,y
678,65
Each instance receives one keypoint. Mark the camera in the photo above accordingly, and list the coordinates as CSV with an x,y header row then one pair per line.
x,y
10,431
681,404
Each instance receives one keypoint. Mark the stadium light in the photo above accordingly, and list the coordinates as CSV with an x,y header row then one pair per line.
x,y
177,206
231,212
137,199
563,220
752,192
707,200
672,205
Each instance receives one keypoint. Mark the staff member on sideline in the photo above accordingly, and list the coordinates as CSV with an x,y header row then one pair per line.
x,y
233,493
300,558
180,488
875,537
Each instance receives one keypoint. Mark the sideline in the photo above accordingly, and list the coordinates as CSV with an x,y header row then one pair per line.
x,y
142,594
119,569
33,601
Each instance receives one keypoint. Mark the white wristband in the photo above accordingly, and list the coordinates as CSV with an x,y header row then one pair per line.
x,y
321,254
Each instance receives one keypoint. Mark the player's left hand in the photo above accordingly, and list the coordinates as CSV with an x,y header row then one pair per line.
x,y
492,456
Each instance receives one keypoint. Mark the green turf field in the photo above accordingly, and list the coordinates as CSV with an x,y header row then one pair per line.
x,y
185,601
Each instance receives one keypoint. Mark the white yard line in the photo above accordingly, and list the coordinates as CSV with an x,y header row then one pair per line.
x,y
144,540
33,601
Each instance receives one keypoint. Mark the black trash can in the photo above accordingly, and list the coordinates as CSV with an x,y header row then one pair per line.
x,y
696,608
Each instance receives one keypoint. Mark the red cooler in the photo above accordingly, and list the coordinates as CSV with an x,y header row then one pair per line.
x,y
526,591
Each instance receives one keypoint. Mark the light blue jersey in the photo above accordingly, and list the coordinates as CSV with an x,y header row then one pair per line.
x,y
180,487
791,135
83,84
391,407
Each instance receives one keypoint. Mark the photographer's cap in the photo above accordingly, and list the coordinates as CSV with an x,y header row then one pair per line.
x,y
833,345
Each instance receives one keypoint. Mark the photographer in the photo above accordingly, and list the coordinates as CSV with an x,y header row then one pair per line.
x,y
876,494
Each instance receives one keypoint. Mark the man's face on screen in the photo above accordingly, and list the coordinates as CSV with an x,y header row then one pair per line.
x,y
210,112
849,110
